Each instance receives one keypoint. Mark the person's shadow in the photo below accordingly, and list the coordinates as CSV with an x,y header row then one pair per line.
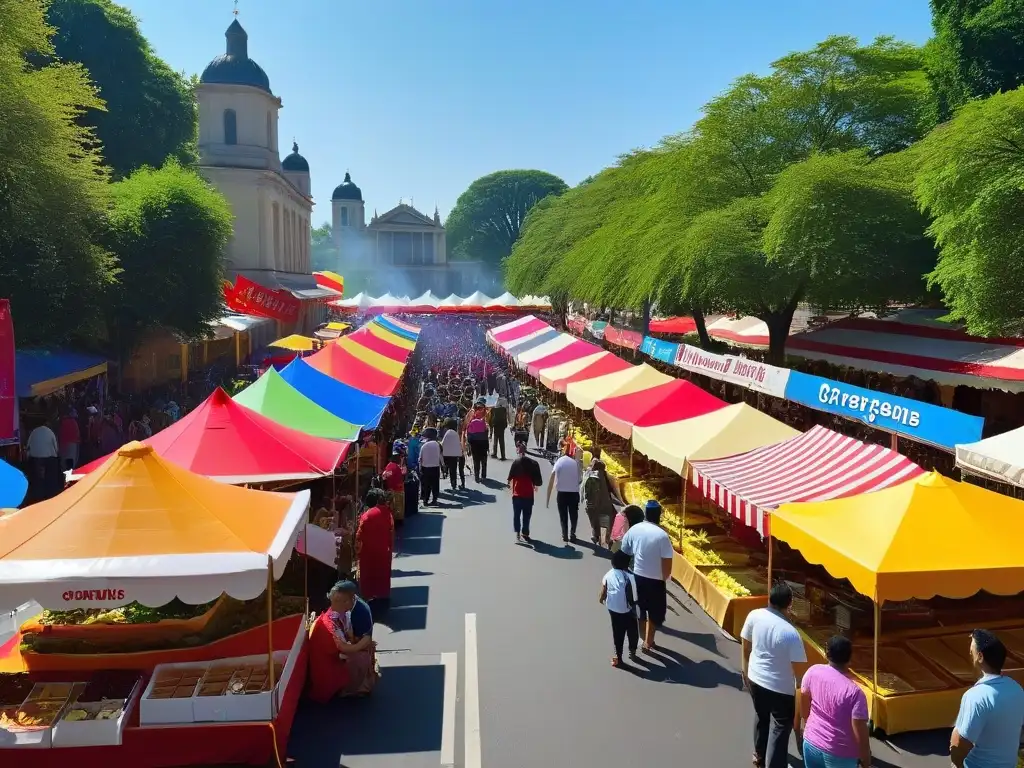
x,y
562,552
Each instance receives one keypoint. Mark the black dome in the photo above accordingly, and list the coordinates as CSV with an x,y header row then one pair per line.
x,y
347,190
295,162
235,67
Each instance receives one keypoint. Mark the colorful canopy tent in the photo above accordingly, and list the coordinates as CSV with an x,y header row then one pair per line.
x,y
140,528
524,357
352,343
382,332
273,397
339,327
232,444
498,331
551,375
374,343
1000,457
40,372
13,486
403,325
505,301
925,537
815,466
507,335
725,432
576,350
673,325
340,364
331,280
526,343
584,393
344,401
397,327
674,400
601,366
295,343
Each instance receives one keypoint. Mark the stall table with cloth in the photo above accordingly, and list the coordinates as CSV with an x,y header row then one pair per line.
x,y
141,531
917,546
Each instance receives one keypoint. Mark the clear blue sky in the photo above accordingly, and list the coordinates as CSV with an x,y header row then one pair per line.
x,y
417,99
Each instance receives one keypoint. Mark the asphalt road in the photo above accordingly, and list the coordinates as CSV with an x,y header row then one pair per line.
x,y
536,670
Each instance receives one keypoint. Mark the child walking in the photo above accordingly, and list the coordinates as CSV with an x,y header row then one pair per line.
x,y
618,595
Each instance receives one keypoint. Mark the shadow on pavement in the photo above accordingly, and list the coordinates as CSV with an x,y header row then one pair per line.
x,y
680,670
398,573
408,609
402,716
603,552
474,498
922,743
494,485
421,535
701,639
561,552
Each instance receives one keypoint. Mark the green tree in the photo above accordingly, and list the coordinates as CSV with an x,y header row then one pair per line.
x,y
150,112
978,49
53,187
321,255
488,217
971,182
169,229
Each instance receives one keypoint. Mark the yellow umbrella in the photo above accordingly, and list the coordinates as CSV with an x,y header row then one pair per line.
x,y
337,327
295,343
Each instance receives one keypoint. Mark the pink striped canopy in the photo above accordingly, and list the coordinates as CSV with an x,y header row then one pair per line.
x,y
502,336
814,466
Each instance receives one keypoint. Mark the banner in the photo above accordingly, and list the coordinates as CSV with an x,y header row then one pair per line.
x,y
928,423
752,374
660,350
623,338
8,388
249,298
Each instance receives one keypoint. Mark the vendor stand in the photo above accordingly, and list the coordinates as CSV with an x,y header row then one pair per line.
x,y
137,532
927,561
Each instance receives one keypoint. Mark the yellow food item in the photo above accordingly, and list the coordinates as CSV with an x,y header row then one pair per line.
x,y
727,583
76,715
613,467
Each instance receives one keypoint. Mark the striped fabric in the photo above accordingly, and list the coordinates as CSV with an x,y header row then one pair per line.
x,y
814,466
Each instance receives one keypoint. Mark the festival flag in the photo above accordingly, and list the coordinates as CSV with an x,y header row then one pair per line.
x,y
249,298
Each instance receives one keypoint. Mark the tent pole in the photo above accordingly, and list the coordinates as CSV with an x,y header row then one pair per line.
x,y
771,552
270,631
874,678
631,454
357,476
682,511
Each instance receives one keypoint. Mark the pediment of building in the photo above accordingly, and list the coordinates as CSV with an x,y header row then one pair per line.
x,y
407,216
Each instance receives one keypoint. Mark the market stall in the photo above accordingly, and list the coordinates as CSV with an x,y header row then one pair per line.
x,y
155,566
927,561
273,397
999,458
381,346
382,332
340,364
516,347
515,329
551,374
600,365
672,401
397,326
577,350
524,356
584,393
342,400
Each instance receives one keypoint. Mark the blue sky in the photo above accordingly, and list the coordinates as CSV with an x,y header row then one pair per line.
x,y
417,99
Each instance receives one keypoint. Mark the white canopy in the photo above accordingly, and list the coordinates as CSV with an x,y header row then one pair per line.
x,y
476,299
428,299
1000,457
387,300
505,300
451,301
359,301
549,347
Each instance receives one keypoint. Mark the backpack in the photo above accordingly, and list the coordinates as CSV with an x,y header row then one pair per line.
x,y
477,429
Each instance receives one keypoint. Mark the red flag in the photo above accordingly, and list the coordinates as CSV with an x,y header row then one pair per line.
x,y
8,390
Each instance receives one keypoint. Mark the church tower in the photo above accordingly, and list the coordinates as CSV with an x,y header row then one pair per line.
x,y
347,211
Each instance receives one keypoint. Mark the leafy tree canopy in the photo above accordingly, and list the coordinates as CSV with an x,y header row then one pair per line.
x,y
150,112
53,187
488,217
971,182
169,229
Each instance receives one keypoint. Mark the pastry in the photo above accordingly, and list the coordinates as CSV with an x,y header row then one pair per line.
x,y
110,713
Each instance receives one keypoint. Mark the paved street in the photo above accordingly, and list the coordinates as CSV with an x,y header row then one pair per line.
x,y
547,694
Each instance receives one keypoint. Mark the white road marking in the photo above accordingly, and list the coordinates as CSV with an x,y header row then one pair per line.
x,y
472,757
450,662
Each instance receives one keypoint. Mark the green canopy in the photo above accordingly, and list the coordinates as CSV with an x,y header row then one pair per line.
x,y
275,398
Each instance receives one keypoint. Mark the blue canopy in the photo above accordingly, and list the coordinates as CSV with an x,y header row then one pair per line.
x,y
345,402
40,371
13,485
384,322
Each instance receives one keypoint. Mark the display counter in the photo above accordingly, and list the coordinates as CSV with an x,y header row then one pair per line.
x,y
728,611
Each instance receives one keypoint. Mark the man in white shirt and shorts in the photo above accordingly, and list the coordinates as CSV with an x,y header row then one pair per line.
x,y
651,549
566,478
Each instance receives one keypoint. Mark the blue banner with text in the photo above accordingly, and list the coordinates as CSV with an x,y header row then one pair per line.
x,y
659,350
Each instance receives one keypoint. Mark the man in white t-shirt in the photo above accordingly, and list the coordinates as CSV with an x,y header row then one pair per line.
x,y
451,449
651,550
772,651
430,467
565,479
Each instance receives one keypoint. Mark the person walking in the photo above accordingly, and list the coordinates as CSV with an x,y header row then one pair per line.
x,y
988,727
626,518
498,418
772,649
476,438
452,450
539,421
618,595
834,711
523,477
651,549
430,466
599,499
565,478
69,439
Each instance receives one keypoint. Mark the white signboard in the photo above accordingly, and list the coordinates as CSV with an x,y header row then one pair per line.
x,y
752,374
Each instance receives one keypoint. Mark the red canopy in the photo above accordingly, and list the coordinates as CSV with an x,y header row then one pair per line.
x,y
663,404
674,325
341,365
517,332
602,367
623,337
574,351
381,346
228,442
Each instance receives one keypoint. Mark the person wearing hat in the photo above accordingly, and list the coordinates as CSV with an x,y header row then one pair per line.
x,y
651,549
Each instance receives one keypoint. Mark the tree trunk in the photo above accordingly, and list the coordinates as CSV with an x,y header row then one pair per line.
x,y
702,327
647,318
778,323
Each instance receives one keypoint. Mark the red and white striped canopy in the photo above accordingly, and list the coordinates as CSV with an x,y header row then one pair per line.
x,y
814,466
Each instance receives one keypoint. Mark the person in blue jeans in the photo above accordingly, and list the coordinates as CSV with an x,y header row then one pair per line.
x,y
523,478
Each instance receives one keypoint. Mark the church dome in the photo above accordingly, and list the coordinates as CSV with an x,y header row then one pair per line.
x,y
235,67
347,190
295,162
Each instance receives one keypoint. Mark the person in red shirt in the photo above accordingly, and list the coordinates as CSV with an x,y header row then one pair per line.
x,y
523,478
69,437
394,480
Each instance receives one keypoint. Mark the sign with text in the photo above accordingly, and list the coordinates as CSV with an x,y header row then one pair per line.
x,y
928,423
752,374
249,298
660,350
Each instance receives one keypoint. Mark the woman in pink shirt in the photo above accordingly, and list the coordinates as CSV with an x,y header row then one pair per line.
x,y
835,712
